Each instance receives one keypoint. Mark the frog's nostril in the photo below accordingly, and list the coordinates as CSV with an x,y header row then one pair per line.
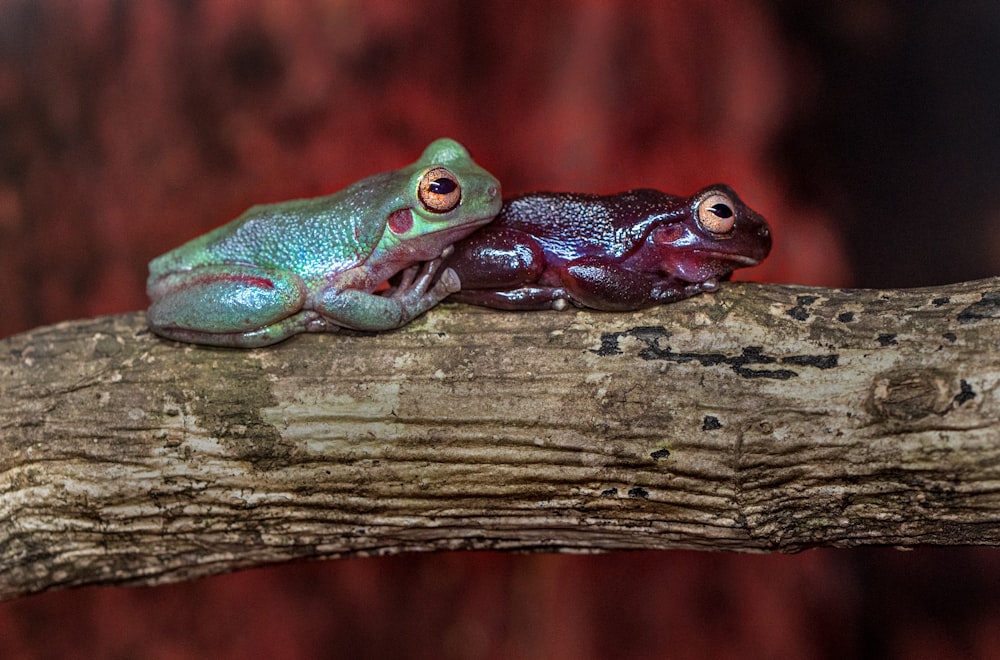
x,y
493,191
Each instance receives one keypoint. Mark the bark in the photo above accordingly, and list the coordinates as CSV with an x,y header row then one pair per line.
x,y
760,418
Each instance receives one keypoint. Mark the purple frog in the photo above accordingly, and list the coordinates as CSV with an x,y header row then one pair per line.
x,y
609,252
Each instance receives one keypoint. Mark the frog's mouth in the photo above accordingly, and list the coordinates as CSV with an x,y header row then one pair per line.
x,y
460,231
739,260
700,265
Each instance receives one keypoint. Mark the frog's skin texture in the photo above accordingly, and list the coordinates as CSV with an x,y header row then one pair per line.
x,y
311,265
616,252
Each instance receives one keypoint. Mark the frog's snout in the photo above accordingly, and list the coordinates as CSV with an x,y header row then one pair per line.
x,y
764,237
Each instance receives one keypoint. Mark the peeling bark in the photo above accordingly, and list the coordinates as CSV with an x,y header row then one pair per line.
x,y
760,418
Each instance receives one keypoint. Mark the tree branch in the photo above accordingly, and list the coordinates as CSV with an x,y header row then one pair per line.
x,y
759,418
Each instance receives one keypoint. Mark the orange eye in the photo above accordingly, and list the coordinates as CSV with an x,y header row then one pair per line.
x,y
439,190
715,213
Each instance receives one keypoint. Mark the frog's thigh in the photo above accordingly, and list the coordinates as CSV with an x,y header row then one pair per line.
x,y
607,286
497,257
223,299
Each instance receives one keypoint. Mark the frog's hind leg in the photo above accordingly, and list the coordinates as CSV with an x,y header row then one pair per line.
x,y
500,267
497,257
305,321
229,306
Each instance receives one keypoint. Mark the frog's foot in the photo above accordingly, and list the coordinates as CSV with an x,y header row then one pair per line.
x,y
417,290
417,285
410,280
305,321
316,322
526,298
710,286
672,290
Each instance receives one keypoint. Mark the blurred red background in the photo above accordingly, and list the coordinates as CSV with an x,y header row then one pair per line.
x,y
865,132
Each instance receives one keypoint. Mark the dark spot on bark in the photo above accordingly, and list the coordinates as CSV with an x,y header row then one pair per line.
x,y
755,355
751,355
228,405
710,423
909,394
845,317
950,336
106,346
887,339
818,361
966,394
986,308
609,344
937,302
639,492
610,492
661,454
799,312
648,334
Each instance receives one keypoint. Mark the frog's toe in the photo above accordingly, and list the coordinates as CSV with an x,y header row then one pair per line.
x,y
315,322
407,278
449,282
431,267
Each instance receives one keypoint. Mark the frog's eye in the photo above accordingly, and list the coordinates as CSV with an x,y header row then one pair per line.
x,y
715,213
439,190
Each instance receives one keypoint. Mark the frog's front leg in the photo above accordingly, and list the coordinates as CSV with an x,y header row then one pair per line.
x,y
229,305
608,286
416,292
599,284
